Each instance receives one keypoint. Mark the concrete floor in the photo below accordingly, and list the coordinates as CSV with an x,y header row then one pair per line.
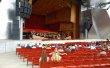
x,y
11,60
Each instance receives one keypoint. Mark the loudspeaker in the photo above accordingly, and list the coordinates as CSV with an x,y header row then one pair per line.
x,y
23,8
17,8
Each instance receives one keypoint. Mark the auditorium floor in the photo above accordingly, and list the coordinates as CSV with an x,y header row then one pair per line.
x,y
10,60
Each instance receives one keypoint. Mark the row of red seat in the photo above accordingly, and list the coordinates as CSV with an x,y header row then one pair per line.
x,y
81,58
31,55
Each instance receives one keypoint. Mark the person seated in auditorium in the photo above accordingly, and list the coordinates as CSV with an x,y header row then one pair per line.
x,y
92,46
104,49
34,36
48,47
58,37
60,49
34,46
18,46
103,53
68,37
56,55
108,46
104,46
77,46
67,49
107,40
44,57
72,47
28,46
97,44
23,46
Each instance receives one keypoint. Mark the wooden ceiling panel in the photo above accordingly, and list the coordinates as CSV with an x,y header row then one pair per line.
x,y
42,7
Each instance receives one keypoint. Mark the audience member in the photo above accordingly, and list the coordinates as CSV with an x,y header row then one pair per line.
x,y
46,35
18,46
67,49
56,55
28,46
44,57
103,53
34,46
72,47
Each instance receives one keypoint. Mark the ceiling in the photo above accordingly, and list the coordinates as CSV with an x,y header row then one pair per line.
x,y
42,7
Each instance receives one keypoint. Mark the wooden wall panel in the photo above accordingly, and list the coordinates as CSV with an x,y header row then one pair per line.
x,y
66,26
62,15
64,20
34,22
43,7
38,22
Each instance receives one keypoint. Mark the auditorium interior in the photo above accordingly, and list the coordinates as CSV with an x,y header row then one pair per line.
x,y
55,34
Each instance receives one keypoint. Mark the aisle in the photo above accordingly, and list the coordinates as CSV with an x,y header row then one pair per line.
x,y
10,60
